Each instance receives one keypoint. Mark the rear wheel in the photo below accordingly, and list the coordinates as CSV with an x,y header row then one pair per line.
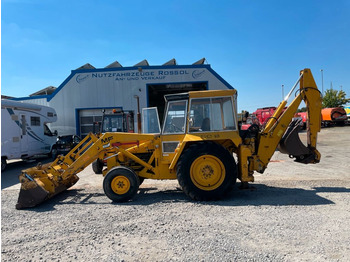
x,y
206,171
121,184
97,166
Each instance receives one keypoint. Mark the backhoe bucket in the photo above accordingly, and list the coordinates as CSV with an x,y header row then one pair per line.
x,y
291,144
37,187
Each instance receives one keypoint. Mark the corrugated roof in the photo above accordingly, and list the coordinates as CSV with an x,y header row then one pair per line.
x,y
114,64
142,63
199,62
46,91
86,66
170,62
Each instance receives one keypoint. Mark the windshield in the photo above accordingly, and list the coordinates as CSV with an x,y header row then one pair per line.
x,y
47,131
150,121
175,117
112,123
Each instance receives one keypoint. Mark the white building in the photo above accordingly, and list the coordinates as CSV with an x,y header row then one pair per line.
x,y
79,100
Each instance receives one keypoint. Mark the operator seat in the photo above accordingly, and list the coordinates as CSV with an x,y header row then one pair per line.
x,y
206,124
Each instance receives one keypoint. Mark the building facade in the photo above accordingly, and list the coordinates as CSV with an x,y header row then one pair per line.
x,y
80,99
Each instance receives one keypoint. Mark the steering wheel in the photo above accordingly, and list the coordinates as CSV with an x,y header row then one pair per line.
x,y
173,128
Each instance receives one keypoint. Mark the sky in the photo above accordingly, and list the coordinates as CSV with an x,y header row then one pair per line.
x,y
256,46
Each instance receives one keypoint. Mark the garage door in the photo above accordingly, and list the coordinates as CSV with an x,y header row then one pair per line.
x,y
90,117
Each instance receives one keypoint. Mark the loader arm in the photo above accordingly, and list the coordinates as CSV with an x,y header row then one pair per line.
x,y
275,133
45,181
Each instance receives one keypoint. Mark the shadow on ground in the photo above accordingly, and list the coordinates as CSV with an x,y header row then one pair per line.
x,y
261,195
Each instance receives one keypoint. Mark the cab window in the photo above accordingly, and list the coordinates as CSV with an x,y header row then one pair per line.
x,y
211,114
175,119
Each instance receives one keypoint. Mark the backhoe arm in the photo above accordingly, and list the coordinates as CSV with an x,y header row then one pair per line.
x,y
271,136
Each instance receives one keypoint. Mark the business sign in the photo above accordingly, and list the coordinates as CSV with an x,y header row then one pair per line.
x,y
144,75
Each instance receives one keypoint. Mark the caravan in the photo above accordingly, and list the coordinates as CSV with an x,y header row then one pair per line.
x,y
24,130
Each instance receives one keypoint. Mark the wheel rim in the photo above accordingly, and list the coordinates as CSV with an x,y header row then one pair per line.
x,y
54,152
207,172
120,185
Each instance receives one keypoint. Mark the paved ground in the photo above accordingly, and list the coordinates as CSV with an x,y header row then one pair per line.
x,y
295,213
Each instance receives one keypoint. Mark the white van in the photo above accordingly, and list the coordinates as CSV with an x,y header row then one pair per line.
x,y
24,130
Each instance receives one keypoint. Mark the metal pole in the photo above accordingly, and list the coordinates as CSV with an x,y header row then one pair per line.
x,y
138,114
282,92
322,79
295,85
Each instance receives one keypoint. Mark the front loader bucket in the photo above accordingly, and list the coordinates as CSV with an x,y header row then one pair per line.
x,y
45,181
291,144
30,195
38,187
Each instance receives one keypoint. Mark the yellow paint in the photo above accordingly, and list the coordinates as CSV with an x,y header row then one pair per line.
x,y
144,153
120,185
207,172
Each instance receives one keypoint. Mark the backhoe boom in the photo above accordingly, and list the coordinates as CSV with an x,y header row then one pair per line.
x,y
276,127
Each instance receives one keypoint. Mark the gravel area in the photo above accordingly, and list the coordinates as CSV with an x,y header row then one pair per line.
x,y
294,212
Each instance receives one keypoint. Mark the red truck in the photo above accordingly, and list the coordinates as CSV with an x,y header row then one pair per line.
x,y
259,117
263,114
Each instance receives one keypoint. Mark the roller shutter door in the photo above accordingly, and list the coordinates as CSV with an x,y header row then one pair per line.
x,y
87,118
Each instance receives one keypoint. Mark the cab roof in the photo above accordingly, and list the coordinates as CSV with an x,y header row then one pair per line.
x,y
200,94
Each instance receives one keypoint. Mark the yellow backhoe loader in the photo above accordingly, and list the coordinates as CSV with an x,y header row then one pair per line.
x,y
195,146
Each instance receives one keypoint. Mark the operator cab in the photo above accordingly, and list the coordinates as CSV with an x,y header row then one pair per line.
x,y
213,113
192,113
117,121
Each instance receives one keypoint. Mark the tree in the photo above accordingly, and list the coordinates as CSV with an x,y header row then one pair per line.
x,y
303,109
334,98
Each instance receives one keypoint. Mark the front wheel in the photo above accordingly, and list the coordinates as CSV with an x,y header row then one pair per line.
x,y
3,163
54,153
121,184
206,171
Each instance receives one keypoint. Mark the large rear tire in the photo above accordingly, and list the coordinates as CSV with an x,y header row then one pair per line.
x,y
121,184
206,171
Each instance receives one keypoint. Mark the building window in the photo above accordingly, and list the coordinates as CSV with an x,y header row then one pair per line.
x,y
34,121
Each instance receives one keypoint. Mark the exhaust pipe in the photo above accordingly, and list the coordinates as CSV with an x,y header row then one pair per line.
x,y
138,114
